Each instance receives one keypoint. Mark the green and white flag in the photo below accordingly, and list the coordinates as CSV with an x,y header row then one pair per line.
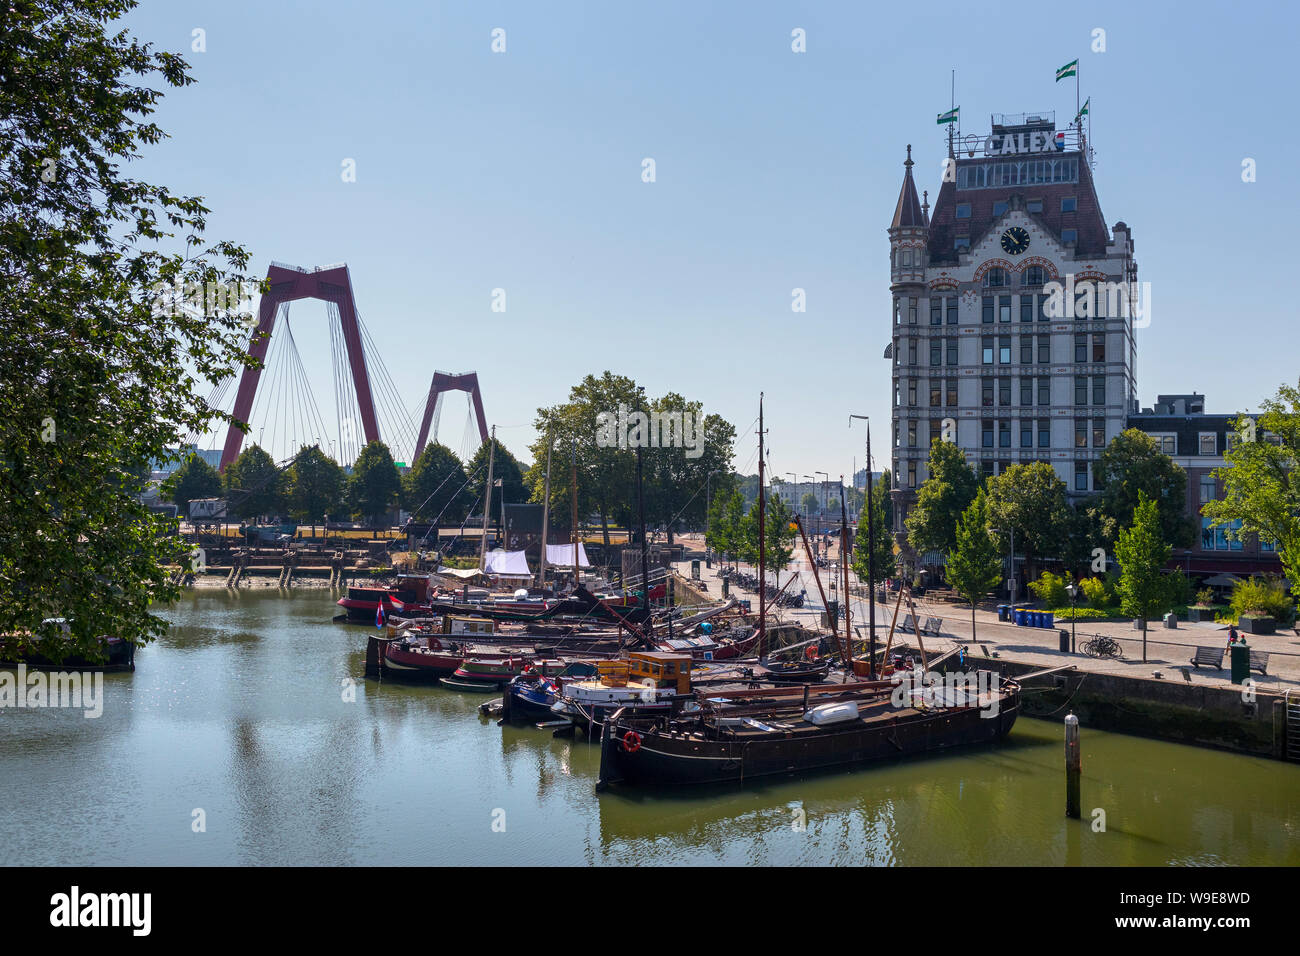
x,y
948,117
1070,69
1083,110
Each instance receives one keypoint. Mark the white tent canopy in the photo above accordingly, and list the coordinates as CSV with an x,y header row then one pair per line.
x,y
561,555
507,564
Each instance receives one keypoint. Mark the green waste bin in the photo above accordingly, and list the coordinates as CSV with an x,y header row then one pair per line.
x,y
1240,655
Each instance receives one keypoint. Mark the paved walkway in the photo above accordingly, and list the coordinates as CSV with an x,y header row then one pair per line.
x,y
1169,651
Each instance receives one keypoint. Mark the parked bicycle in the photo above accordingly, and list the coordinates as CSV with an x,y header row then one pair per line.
x,y
1103,646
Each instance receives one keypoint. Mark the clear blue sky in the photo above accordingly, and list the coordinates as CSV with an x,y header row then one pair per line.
x,y
775,170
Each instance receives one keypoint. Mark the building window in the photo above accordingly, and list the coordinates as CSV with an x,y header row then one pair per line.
x,y
911,433
961,244
898,311
1069,235
911,474
995,278
1099,347
1099,433
951,398
1099,390
999,208
986,346
1026,350
1034,205
1081,390
952,310
963,210
1004,391
1004,433
1026,308
911,351
911,392
936,393
952,351
1081,433
1080,476
1167,444
1081,348
1044,349
1004,308
911,311
1044,391
936,310
1209,488
936,429
1069,204
1034,276
986,312
986,392
986,470
1044,433
1026,391
1004,350
1043,301
1208,443
1026,433
1216,539
936,352
986,434
1267,544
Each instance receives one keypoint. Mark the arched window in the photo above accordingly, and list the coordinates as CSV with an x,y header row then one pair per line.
x,y
995,278
1035,275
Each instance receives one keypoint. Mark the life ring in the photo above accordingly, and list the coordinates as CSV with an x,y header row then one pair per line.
x,y
631,741
810,652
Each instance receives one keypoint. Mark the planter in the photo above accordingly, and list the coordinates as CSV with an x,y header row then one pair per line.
x,y
1200,614
1262,624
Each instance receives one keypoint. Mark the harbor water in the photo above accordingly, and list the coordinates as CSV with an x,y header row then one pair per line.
x,y
248,735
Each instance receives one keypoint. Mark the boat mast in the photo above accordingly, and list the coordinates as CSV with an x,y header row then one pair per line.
x,y
844,563
762,546
573,483
645,556
487,502
546,514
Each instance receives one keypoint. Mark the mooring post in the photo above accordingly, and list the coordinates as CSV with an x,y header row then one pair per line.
x,y
1073,767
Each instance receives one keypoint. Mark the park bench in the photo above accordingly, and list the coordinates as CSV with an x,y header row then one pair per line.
x,y
908,625
1259,661
933,625
1209,656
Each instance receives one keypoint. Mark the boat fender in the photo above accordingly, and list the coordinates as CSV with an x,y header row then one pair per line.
x,y
631,741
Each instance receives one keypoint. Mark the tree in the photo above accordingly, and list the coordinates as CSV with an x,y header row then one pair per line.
x,y
780,533
435,486
254,485
507,479
720,529
1132,465
1029,500
941,500
1142,554
375,486
809,503
194,479
675,476
974,565
1261,482
733,526
313,486
96,383
886,564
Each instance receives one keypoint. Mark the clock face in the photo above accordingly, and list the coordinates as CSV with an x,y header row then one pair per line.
x,y
1015,241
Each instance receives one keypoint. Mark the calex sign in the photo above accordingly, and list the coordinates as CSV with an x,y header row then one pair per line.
x,y
1010,144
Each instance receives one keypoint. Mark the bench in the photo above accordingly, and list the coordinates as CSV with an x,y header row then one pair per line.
x,y
1259,661
1209,656
908,625
933,625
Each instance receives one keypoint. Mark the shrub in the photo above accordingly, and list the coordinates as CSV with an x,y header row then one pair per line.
x,y
1050,589
1262,595
1205,597
1094,592
1179,589
1084,613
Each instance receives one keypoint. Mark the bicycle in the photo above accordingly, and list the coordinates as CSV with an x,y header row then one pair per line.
x,y
1102,646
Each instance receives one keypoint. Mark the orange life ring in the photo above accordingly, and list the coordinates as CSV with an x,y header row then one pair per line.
x,y
810,652
631,741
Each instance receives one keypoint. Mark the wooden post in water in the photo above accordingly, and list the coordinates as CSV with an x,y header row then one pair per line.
x,y
1073,767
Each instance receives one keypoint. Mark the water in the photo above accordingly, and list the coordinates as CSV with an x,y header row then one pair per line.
x,y
240,712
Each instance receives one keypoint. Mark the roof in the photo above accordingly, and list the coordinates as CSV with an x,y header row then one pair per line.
x,y
908,211
1087,219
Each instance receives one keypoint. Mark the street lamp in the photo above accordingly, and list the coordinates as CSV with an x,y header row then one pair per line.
x,y
1011,562
708,503
1072,589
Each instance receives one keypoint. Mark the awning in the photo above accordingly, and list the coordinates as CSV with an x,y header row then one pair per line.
x,y
561,555
464,574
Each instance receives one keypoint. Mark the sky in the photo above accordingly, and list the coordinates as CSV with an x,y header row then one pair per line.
x,y
774,170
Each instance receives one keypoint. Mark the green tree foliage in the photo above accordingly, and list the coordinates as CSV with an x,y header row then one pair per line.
x,y
507,480
675,477
781,533
809,504
1050,589
1142,554
720,530
194,479
1030,499
433,486
95,382
254,485
974,565
1262,595
314,486
374,486
1261,483
941,500
886,562
1133,465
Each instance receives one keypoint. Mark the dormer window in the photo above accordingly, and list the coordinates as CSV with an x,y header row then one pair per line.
x,y
1034,205
999,209
995,278
963,210
1069,235
961,244
1069,204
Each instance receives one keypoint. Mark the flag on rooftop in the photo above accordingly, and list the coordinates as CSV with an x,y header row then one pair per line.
x,y
948,117
1070,69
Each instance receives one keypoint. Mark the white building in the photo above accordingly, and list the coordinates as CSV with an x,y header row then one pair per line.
x,y
978,353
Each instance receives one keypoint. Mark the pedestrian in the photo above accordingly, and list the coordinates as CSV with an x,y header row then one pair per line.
x,y
1232,634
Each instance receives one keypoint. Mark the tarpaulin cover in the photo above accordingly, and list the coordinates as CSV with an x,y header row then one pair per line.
x,y
507,564
562,555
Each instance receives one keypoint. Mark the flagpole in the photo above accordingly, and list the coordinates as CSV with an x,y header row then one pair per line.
x,y
952,104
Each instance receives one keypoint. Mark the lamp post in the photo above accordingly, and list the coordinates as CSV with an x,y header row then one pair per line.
x,y
708,505
825,484
1072,589
871,545
1011,562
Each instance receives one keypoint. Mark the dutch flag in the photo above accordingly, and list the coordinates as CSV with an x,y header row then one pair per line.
x,y
379,614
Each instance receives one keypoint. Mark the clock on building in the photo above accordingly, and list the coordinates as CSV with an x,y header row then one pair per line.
x,y
1015,241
